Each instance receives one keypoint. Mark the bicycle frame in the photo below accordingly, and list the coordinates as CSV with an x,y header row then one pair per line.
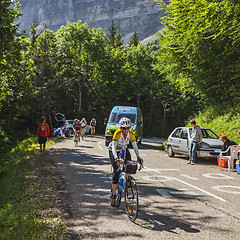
x,y
123,178
122,182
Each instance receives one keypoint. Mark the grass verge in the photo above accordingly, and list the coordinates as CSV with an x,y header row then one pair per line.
x,y
30,206
223,124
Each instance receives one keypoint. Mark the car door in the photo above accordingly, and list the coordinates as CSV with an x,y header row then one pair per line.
x,y
174,140
183,141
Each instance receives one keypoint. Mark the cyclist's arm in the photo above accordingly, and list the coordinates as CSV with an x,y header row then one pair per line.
x,y
135,147
114,149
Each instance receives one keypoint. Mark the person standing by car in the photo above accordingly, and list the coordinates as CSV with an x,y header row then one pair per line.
x,y
226,144
196,141
43,133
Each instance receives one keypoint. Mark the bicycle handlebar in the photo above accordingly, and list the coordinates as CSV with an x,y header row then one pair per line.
x,y
121,161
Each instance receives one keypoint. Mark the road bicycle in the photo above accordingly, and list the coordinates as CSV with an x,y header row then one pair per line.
x,y
92,131
127,187
83,132
77,138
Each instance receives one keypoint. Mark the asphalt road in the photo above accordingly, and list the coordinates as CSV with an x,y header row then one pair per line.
x,y
177,200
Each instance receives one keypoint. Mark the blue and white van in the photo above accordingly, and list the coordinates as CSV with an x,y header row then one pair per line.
x,y
118,112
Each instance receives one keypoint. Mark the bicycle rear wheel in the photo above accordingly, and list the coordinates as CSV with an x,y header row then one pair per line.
x,y
131,198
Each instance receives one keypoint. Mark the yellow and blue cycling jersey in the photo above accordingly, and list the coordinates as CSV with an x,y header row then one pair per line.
x,y
121,141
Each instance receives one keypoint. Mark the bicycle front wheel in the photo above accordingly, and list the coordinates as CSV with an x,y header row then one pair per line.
x,y
131,198
118,197
75,142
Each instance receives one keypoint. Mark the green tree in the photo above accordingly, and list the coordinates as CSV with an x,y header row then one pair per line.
x,y
118,40
199,48
112,34
134,40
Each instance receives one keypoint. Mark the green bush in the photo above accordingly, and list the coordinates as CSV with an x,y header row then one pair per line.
x,y
223,124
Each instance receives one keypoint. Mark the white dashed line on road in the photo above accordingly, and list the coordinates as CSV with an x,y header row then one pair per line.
x,y
190,185
235,189
189,177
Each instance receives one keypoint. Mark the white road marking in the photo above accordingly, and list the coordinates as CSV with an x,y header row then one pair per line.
x,y
157,178
185,191
159,169
217,176
164,192
236,189
199,189
103,190
169,192
189,177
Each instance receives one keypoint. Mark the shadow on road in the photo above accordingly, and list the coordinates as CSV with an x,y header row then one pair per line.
x,y
201,161
88,183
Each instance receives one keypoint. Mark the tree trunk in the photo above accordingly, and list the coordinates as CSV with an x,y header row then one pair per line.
x,y
138,101
150,120
164,114
80,98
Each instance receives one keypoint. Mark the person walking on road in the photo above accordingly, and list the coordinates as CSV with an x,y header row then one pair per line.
x,y
196,141
43,133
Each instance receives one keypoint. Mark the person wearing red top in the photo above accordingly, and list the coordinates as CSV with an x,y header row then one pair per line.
x,y
43,133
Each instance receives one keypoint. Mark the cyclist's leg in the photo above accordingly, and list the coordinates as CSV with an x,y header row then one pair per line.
x,y
75,132
115,173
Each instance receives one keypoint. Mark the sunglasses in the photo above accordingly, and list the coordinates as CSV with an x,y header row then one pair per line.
x,y
125,128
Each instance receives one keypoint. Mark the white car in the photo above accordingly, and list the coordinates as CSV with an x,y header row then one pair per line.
x,y
179,142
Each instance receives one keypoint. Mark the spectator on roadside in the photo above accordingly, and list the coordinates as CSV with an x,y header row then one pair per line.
x,y
43,132
64,128
196,141
226,144
58,132
67,132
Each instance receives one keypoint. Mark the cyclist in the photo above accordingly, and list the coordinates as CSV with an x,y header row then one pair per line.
x,y
83,124
76,128
93,125
122,137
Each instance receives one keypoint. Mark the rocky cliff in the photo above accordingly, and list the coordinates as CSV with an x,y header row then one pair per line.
x,y
142,16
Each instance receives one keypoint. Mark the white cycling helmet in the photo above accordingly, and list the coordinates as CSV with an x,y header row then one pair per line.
x,y
125,122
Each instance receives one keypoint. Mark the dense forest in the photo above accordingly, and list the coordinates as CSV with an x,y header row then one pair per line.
x,y
83,72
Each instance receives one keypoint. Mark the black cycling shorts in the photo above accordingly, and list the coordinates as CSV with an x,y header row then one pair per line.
x,y
42,140
115,167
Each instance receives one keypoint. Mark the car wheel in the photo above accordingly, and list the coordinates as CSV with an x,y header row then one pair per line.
x,y
170,151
